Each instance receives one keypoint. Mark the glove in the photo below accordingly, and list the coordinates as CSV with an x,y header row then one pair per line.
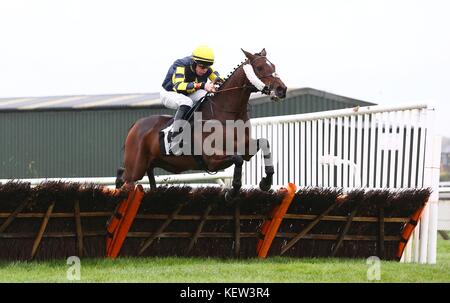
x,y
209,87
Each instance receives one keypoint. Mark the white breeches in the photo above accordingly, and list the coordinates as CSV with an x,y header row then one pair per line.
x,y
174,100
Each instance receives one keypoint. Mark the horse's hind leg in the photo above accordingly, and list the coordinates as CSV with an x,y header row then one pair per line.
x,y
266,182
119,177
136,165
151,178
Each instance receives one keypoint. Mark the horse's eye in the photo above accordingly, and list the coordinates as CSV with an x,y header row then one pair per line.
x,y
259,68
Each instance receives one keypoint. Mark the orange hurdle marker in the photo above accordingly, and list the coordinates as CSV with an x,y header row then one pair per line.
x,y
120,225
118,215
407,231
270,227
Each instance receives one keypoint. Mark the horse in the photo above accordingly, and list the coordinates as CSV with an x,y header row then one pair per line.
x,y
142,150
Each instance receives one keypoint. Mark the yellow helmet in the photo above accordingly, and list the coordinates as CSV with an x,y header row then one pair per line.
x,y
203,55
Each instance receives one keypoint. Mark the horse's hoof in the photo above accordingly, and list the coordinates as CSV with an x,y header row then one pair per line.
x,y
119,179
120,171
127,187
119,183
230,194
265,185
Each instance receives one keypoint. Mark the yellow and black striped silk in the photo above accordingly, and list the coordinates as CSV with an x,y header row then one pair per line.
x,y
181,83
214,75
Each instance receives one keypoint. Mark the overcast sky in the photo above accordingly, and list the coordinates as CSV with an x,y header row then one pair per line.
x,y
387,52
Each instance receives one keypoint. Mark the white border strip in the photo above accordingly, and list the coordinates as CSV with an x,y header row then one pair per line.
x,y
336,113
219,178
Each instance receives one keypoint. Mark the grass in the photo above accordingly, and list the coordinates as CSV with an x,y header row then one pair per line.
x,y
276,269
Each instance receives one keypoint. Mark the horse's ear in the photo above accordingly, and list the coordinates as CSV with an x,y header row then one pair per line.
x,y
248,55
263,52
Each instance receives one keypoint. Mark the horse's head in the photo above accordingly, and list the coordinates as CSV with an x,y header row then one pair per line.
x,y
261,73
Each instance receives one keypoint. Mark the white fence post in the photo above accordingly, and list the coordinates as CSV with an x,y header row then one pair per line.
x,y
431,179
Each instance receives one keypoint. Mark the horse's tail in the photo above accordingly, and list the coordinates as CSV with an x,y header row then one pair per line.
x,y
121,170
123,146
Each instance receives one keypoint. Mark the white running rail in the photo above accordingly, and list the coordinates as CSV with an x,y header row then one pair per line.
x,y
369,147
220,178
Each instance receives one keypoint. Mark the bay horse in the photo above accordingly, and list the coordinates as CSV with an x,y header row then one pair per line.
x,y
142,151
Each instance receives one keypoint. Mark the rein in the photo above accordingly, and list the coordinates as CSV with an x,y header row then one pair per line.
x,y
233,88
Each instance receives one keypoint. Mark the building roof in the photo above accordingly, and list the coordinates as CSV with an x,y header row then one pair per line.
x,y
79,102
318,93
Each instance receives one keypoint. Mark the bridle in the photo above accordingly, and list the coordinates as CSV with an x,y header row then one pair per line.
x,y
249,73
266,90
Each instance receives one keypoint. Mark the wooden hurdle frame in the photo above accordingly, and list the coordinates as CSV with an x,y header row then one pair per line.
x,y
269,231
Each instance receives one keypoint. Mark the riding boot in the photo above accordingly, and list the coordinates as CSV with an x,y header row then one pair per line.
x,y
180,114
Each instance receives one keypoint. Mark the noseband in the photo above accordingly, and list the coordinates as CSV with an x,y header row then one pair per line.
x,y
255,81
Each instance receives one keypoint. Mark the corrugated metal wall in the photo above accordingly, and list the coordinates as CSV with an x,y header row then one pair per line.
x,y
88,143
64,143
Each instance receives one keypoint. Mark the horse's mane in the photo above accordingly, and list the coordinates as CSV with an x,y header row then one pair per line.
x,y
232,73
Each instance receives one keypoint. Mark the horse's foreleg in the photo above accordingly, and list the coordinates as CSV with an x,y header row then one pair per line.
x,y
237,175
237,178
266,182
151,178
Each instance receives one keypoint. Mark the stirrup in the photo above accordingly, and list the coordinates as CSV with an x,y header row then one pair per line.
x,y
175,148
172,135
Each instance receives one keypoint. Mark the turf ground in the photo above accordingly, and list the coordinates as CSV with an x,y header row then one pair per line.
x,y
191,270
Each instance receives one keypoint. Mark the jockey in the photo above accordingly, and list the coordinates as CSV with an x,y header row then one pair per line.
x,y
186,82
